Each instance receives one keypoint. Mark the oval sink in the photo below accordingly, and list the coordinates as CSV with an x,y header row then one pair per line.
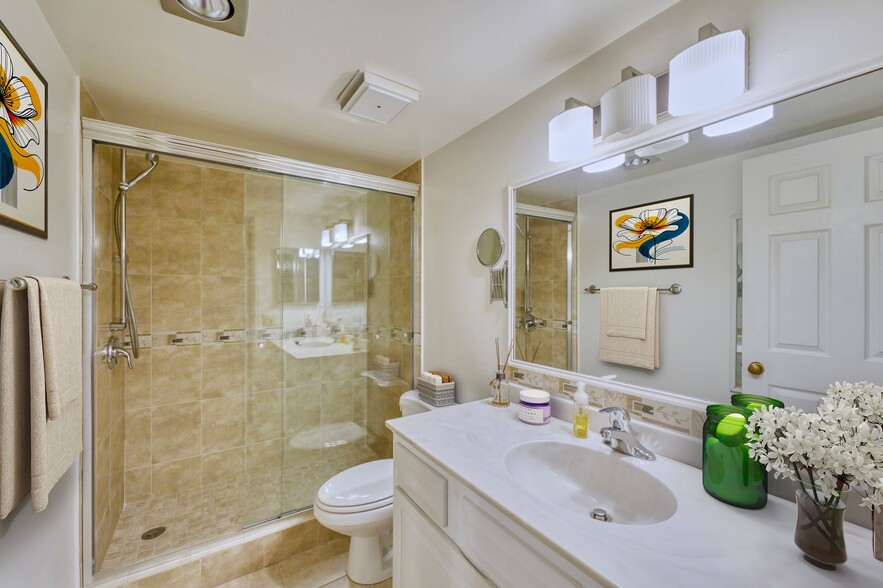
x,y
582,479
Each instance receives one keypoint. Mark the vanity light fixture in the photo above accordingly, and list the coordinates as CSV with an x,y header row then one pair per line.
x,y
629,108
326,238
339,232
708,74
739,123
663,146
571,133
605,164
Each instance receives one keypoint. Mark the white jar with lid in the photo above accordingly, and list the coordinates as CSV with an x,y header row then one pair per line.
x,y
535,407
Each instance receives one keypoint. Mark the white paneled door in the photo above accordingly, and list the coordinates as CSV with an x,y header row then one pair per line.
x,y
813,267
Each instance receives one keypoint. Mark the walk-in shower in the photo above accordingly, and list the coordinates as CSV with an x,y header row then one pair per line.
x,y
544,286
261,299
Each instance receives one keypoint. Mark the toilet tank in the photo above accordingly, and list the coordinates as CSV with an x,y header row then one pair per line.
x,y
410,403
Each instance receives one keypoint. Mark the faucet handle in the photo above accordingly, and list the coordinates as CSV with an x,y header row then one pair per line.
x,y
619,417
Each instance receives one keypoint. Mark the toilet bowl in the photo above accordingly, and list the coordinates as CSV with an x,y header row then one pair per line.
x,y
358,502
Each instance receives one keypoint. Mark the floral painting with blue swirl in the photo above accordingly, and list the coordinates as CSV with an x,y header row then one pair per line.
x,y
22,140
653,235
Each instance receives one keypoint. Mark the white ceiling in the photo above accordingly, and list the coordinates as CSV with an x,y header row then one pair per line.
x,y
275,89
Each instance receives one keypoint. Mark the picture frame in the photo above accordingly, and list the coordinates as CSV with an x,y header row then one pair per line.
x,y
23,140
653,235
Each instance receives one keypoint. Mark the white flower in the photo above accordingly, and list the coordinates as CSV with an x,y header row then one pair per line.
x,y
837,448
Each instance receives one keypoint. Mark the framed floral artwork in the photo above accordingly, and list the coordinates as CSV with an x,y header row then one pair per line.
x,y
23,148
656,235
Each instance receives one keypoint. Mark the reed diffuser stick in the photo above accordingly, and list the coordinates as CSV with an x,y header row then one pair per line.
x,y
497,341
508,355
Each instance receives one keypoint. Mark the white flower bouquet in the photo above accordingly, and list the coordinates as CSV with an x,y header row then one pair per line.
x,y
826,453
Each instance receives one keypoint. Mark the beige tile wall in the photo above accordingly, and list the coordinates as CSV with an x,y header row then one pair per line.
x,y
394,284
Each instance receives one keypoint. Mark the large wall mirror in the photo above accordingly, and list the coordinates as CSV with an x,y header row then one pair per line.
x,y
783,269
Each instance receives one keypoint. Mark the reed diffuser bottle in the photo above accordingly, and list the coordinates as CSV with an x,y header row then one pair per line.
x,y
500,385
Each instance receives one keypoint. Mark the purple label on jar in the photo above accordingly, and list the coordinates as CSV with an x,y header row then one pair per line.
x,y
534,414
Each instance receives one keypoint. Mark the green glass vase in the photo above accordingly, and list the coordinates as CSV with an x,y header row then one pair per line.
x,y
755,402
728,473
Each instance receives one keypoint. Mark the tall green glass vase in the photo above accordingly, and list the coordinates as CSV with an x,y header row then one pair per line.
x,y
728,473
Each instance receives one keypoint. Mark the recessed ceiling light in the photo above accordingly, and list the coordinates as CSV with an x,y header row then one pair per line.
x,y
230,16
635,161
213,10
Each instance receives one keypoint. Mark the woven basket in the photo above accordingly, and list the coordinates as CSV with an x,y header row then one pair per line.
x,y
436,394
385,371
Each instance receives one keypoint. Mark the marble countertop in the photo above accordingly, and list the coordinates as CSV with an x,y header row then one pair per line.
x,y
706,542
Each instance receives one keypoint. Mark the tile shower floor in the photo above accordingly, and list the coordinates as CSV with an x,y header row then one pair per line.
x,y
196,516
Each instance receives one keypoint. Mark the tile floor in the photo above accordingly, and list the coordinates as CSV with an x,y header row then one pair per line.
x,y
322,567
195,516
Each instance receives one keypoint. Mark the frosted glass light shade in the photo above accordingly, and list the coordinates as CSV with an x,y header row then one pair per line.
x,y
664,146
605,164
326,237
628,108
708,74
339,233
571,134
739,123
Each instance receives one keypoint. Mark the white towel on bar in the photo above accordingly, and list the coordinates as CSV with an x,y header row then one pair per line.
x,y
61,306
642,353
15,401
626,311
55,444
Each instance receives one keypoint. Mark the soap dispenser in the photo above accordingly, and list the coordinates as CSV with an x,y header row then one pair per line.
x,y
581,412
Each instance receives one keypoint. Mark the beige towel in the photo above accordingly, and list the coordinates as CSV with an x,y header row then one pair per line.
x,y
642,353
15,401
61,305
626,311
55,444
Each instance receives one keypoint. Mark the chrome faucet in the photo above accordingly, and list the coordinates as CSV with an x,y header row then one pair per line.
x,y
619,434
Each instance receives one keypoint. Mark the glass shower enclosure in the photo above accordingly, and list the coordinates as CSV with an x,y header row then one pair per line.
x,y
265,303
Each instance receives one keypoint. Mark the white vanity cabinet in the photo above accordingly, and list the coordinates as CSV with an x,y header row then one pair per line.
x,y
446,535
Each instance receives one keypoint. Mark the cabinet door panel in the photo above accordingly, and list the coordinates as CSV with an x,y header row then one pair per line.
x,y
424,557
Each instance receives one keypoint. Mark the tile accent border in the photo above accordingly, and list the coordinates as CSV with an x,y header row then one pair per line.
x,y
666,414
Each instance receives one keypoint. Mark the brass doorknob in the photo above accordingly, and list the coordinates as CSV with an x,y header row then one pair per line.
x,y
755,368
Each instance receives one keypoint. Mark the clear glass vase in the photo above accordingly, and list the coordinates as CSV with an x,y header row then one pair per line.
x,y
819,530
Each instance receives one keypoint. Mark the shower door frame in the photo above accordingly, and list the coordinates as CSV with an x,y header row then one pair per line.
x,y
96,132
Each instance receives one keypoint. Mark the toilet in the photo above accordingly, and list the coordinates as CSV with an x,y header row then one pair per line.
x,y
358,502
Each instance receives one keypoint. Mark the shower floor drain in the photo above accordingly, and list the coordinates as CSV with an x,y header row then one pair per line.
x,y
153,533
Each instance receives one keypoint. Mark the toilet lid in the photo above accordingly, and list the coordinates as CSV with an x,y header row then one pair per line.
x,y
363,485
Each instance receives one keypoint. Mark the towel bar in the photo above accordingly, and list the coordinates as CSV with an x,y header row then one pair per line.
x,y
19,284
673,289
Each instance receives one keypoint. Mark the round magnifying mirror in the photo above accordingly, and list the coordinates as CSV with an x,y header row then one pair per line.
x,y
490,248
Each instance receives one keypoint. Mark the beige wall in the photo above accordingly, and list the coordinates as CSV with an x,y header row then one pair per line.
x,y
465,182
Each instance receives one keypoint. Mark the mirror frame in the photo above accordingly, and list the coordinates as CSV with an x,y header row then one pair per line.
x,y
666,129
502,247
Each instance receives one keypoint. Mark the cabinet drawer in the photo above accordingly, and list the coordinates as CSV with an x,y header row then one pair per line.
x,y
426,487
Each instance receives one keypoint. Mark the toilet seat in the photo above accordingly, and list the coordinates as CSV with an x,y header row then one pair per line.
x,y
361,488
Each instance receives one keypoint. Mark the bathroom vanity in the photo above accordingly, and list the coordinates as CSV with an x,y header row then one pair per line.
x,y
482,499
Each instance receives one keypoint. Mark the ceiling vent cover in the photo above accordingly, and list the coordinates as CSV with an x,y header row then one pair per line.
x,y
376,98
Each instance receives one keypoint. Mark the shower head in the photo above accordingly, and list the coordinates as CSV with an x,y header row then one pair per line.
x,y
152,157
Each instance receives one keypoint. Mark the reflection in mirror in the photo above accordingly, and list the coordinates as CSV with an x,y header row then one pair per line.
x,y
490,247
808,188
544,290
